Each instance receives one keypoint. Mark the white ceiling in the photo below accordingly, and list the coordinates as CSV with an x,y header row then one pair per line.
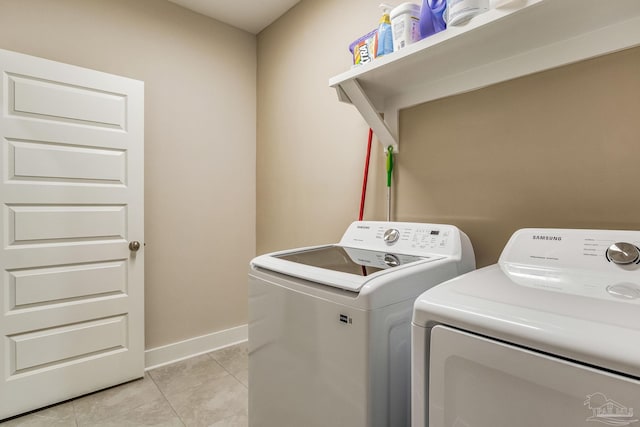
x,y
249,15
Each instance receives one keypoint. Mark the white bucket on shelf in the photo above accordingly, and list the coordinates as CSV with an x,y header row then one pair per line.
x,y
405,25
460,11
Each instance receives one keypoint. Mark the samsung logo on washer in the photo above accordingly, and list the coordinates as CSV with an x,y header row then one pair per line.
x,y
540,237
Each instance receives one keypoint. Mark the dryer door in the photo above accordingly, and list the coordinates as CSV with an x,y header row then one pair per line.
x,y
478,382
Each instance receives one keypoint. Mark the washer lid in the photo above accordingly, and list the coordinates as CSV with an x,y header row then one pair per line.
x,y
337,266
573,304
370,250
360,262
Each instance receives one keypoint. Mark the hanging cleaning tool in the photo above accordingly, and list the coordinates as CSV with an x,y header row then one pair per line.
x,y
366,176
389,174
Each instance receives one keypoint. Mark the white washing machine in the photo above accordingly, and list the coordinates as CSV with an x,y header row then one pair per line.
x,y
330,326
550,336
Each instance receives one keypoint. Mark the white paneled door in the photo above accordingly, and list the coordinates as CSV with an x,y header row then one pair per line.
x,y
71,212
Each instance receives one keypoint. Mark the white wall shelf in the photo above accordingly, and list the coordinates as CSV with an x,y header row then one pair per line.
x,y
525,37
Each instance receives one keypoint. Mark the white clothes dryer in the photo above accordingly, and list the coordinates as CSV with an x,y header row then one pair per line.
x,y
549,336
330,326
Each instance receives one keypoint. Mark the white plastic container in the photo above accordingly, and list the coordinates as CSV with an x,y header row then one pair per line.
x,y
405,25
460,11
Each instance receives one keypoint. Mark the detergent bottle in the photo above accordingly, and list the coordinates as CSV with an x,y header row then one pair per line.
x,y
385,38
432,17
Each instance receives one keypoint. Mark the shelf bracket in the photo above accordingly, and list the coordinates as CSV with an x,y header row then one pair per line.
x,y
353,91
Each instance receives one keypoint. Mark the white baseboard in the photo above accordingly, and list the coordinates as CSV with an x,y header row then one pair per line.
x,y
166,354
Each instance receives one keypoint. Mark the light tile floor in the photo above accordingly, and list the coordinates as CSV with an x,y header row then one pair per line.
x,y
206,390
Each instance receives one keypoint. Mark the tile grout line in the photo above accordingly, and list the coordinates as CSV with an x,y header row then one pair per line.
x,y
167,399
236,378
228,371
75,414
240,381
112,416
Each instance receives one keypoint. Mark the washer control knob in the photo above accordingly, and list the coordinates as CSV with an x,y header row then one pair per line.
x,y
623,253
391,235
391,260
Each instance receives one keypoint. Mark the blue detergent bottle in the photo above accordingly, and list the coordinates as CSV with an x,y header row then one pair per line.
x,y
385,38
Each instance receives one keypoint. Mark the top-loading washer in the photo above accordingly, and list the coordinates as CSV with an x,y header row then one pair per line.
x,y
550,336
329,326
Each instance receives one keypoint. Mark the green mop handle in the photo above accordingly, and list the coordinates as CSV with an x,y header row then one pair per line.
x,y
389,164
389,173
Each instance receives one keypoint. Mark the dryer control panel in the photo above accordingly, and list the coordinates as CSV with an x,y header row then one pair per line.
x,y
404,237
602,264
605,250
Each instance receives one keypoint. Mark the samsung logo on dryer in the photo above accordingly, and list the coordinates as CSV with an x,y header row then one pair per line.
x,y
543,237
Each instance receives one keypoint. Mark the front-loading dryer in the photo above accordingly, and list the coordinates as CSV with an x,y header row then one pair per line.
x,y
549,336
330,326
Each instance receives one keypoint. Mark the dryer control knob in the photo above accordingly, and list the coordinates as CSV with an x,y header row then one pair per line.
x,y
391,235
623,253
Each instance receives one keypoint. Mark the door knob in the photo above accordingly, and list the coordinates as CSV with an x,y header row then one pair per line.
x,y
134,246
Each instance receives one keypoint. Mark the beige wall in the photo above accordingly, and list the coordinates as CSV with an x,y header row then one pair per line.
x,y
200,98
311,148
556,149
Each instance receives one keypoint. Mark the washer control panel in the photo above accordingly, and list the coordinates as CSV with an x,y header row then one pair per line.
x,y
403,237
